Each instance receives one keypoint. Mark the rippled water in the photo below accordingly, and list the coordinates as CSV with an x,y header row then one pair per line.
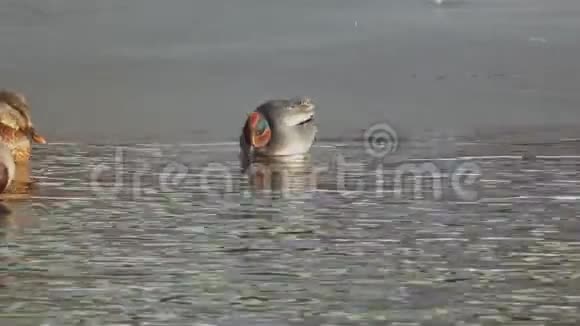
x,y
177,243
152,234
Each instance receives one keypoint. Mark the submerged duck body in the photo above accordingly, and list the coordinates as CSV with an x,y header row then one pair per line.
x,y
7,168
16,127
282,127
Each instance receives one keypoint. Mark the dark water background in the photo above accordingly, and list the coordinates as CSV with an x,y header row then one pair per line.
x,y
129,225
178,70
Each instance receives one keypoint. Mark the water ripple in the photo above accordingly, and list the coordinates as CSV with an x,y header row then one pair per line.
x,y
122,250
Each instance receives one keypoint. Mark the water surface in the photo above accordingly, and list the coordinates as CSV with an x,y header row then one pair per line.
x,y
170,244
129,225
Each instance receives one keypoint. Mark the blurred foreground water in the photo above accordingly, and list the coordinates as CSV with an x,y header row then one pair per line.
x,y
173,245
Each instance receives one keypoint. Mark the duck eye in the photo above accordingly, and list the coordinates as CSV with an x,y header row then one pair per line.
x,y
262,126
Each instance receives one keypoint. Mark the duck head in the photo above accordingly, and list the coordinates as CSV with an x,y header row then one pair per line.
x,y
280,128
15,114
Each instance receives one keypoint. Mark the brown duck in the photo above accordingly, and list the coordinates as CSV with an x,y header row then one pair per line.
x,y
16,127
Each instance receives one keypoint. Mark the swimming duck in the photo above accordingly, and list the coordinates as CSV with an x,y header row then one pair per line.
x,y
7,167
281,127
16,128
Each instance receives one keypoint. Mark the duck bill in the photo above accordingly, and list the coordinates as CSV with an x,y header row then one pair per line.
x,y
252,141
36,137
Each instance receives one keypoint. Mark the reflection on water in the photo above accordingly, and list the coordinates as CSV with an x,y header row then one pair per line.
x,y
283,176
22,185
159,238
